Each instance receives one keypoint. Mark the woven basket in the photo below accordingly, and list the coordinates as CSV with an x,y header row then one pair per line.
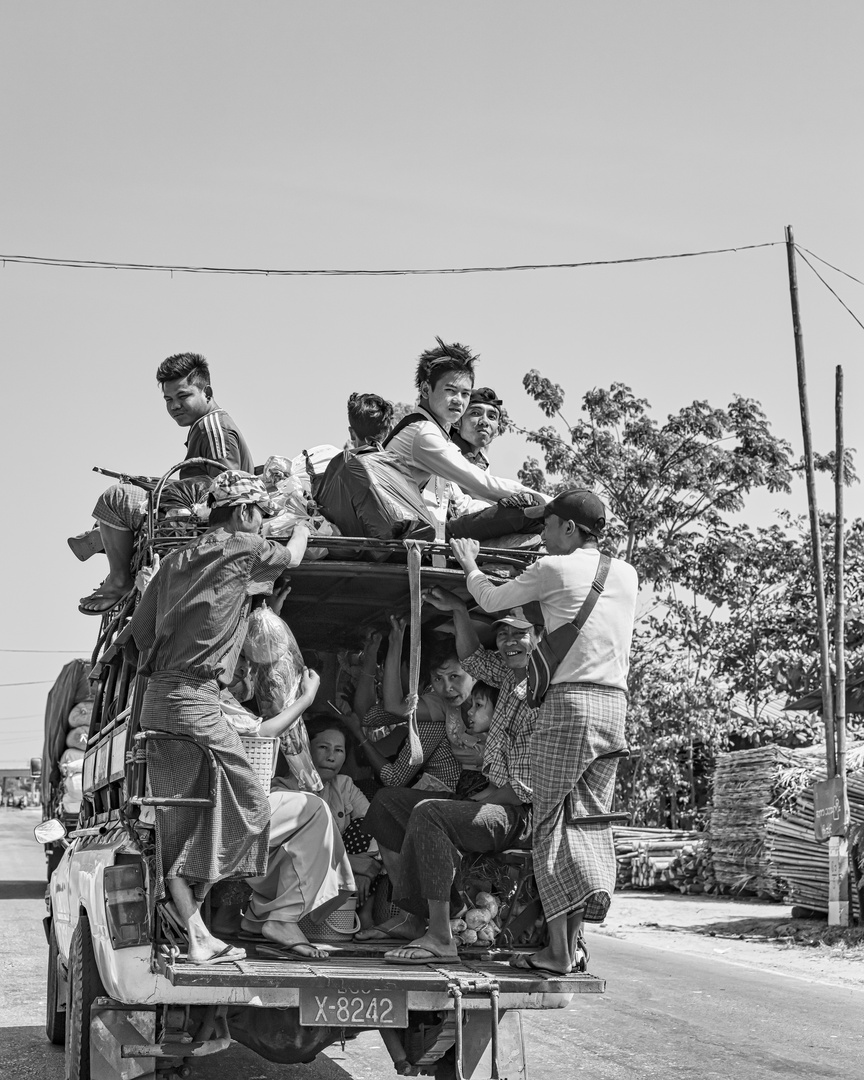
x,y
340,925
261,754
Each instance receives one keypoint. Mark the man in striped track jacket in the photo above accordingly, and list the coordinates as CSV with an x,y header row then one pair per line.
x,y
121,510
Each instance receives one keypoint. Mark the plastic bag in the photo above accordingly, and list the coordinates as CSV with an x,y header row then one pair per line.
x,y
295,746
277,668
71,758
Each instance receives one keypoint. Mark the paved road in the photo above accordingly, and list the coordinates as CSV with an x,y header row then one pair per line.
x,y
664,1015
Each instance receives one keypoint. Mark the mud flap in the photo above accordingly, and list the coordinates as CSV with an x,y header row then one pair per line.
x,y
477,1046
110,1027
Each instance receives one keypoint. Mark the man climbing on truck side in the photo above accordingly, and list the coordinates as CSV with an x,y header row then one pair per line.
x,y
580,723
120,511
189,627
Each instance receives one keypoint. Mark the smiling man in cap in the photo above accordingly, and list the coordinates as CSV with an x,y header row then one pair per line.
x,y
436,833
189,627
581,719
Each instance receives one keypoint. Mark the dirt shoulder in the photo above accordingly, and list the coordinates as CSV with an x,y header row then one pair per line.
x,y
749,933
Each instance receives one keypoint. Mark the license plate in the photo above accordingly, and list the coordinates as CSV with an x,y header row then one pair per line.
x,y
353,1008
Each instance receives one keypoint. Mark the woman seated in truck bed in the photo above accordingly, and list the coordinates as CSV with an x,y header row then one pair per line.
x,y
308,870
439,721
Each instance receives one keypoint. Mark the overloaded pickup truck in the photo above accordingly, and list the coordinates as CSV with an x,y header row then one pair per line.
x,y
120,993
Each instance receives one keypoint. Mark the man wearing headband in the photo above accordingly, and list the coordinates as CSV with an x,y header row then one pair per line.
x,y
480,424
580,723
189,627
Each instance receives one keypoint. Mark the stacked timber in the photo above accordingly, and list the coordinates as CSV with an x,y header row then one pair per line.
x,y
747,794
691,871
645,855
795,857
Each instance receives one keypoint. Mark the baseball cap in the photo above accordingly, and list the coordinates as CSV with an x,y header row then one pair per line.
x,y
234,488
580,506
515,617
484,395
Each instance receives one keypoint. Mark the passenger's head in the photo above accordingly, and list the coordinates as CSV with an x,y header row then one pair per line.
x,y
327,744
185,382
241,683
515,637
479,715
370,418
573,519
448,678
238,501
444,379
481,421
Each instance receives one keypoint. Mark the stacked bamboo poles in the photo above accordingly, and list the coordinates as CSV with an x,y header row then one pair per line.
x,y
645,855
691,871
745,798
795,857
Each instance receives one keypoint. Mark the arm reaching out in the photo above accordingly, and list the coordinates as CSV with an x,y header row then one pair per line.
x,y
280,723
467,642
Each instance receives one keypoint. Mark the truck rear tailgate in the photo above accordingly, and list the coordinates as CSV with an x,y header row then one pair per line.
x,y
326,984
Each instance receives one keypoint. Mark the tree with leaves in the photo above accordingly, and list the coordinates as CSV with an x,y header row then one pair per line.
x,y
734,608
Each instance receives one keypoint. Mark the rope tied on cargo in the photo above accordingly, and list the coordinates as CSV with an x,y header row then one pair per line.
x,y
412,698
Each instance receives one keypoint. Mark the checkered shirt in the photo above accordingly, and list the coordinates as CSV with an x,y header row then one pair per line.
x,y
507,756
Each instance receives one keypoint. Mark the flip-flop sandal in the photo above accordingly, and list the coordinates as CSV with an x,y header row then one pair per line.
x,y
289,952
108,601
528,964
376,933
418,961
228,955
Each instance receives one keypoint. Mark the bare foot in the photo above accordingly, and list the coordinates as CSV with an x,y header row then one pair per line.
x,y
291,937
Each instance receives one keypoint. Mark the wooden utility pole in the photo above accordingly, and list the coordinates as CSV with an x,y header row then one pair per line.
x,y
838,846
815,530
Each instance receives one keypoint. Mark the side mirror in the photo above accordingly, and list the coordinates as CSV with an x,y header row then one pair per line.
x,y
46,832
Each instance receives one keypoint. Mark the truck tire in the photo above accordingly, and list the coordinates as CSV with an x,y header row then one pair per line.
x,y
84,986
55,1017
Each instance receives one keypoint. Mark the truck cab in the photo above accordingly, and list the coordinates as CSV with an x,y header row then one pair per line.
x,y
120,993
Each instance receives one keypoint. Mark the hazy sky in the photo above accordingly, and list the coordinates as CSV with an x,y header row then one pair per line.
x,y
398,134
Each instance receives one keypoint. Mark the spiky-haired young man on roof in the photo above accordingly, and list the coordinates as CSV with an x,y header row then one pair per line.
x,y
445,378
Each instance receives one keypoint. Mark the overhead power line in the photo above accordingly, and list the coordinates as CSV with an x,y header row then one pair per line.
x,y
38,682
85,651
104,264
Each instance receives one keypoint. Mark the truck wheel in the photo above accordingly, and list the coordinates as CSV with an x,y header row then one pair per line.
x,y
55,1017
84,986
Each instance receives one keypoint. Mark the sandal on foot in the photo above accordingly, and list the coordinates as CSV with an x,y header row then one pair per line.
x,y
97,603
527,963
228,955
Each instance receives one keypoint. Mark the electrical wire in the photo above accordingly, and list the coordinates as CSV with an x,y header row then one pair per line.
x,y
101,264
38,682
828,287
85,651
819,258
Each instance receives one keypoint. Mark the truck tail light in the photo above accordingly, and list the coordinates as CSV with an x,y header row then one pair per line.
x,y
126,905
